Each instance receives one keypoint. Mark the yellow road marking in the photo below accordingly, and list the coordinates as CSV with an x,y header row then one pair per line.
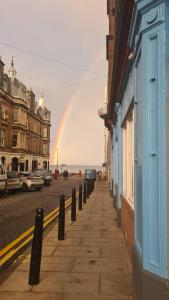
x,y
27,232
48,219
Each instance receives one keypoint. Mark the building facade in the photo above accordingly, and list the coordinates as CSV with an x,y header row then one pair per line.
x,y
24,125
137,118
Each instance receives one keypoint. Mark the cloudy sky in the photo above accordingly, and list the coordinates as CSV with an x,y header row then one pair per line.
x,y
59,51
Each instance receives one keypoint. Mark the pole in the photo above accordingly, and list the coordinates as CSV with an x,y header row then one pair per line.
x,y
57,151
61,227
73,207
34,271
84,192
80,197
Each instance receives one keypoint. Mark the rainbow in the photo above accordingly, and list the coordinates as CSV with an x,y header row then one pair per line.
x,y
70,105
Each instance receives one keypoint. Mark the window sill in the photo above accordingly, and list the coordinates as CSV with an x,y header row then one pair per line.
x,y
129,200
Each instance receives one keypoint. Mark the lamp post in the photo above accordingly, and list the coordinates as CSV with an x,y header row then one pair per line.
x,y
57,151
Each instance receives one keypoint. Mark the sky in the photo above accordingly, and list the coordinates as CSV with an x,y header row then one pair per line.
x,y
59,51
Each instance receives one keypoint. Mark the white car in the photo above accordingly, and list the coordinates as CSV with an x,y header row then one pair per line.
x,y
13,182
31,181
3,180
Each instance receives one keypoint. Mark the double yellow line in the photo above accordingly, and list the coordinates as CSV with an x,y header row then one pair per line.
x,y
13,248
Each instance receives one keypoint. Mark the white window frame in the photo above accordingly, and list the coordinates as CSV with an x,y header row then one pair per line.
x,y
128,158
15,115
15,133
2,135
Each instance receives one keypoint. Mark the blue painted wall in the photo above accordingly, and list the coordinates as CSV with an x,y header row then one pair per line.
x,y
147,84
148,42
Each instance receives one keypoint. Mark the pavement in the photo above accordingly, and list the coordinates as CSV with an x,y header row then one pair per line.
x,y
92,263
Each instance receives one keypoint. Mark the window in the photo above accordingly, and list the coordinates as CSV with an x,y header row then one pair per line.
x,y
128,158
15,115
45,148
2,137
3,112
45,132
27,143
14,140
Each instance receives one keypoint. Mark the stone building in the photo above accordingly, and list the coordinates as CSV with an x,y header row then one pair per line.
x,y
24,125
137,117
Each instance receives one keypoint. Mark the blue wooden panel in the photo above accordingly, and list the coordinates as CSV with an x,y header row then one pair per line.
x,y
138,157
153,159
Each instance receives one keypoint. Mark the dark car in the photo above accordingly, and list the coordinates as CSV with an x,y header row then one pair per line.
x,y
90,174
45,175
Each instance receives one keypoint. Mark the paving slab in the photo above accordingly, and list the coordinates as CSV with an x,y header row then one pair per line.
x,y
101,242
89,234
17,282
114,252
116,284
93,297
48,250
77,251
68,241
49,264
74,283
100,265
30,296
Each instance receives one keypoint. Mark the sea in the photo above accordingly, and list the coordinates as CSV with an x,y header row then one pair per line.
x,y
76,168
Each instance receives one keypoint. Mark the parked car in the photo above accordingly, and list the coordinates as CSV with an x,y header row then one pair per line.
x,y
90,174
51,174
13,181
45,175
3,179
31,181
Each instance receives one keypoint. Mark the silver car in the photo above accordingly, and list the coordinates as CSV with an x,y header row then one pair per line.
x,y
31,181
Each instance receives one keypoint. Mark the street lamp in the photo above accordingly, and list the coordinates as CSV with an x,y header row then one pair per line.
x,y
57,151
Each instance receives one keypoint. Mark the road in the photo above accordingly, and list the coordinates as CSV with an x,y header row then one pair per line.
x,y
17,211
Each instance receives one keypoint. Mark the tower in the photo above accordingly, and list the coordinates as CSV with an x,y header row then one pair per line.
x,y
1,72
12,71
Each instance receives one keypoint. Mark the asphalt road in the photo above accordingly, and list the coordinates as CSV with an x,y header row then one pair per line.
x,y
17,211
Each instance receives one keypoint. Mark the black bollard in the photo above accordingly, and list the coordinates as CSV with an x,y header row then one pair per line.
x,y
92,186
73,207
80,197
87,190
34,271
84,192
61,227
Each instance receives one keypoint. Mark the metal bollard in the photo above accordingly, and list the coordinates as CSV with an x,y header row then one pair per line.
x,y
87,190
80,197
34,271
93,186
90,188
73,206
84,192
61,227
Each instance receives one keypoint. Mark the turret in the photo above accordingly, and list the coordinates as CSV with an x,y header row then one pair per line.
x,y
1,72
12,71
